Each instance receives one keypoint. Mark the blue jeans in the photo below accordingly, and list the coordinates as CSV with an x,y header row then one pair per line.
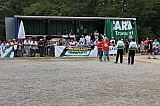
x,y
20,52
33,52
100,53
106,53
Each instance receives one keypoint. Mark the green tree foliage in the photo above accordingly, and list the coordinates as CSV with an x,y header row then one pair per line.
x,y
147,12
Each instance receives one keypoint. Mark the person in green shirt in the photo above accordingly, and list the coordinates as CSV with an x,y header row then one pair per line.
x,y
131,51
120,46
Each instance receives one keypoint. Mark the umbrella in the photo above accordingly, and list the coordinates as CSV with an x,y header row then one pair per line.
x,y
21,33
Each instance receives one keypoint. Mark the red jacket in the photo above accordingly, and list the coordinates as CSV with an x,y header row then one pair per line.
x,y
106,45
100,45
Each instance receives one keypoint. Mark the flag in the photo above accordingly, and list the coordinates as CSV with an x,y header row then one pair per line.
x,y
21,33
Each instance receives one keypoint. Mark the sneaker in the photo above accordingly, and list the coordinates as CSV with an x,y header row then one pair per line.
x,y
115,62
149,58
154,58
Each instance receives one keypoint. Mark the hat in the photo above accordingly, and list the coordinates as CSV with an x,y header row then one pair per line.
x,y
44,36
13,39
112,37
41,39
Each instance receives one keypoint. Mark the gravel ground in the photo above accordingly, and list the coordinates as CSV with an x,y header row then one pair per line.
x,y
78,82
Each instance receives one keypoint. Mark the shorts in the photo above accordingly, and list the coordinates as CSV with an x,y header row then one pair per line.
x,y
146,47
150,51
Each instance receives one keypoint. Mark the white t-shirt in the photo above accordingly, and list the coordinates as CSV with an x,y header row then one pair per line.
x,y
26,43
132,45
120,44
34,45
88,38
82,40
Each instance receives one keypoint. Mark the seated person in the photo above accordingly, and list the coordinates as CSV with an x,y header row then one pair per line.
x,y
71,43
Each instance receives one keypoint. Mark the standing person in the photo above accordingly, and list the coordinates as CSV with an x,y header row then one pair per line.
x,y
150,49
146,47
100,49
88,38
20,47
14,44
53,44
126,43
45,45
33,47
27,47
41,47
120,46
132,51
106,45
112,41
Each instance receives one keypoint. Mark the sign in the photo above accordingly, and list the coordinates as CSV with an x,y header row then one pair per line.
x,y
112,50
7,53
125,29
61,51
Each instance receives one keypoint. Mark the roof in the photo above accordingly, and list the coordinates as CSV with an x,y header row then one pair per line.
x,y
71,18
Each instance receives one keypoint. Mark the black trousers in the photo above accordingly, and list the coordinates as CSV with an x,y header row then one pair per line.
x,y
131,56
119,52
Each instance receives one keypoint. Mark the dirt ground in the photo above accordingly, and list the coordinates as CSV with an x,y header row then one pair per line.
x,y
79,82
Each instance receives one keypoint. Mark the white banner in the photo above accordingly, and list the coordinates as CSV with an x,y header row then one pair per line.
x,y
61,51
7,53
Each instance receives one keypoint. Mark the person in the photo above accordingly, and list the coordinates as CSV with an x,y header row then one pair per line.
x,y
120,46
66,33
100,49
106,45
3,45
156,46
126,43
66,43
75,41
146,45
92,37
150,49
71,32
88,38
27,47
100,36
112,41
60,42
104,37
41,47
71,43
14,44
91,44
45,45
20,47
132,51
142,45
53,44
33,47
82,39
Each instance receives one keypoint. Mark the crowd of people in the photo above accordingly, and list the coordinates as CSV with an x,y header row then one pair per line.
x,y
31,46
28,46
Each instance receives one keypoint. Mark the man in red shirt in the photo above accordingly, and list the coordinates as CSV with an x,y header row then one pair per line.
x,y
106,45
100,49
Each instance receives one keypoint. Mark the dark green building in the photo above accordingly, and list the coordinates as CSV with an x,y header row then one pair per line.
x,y
57,25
